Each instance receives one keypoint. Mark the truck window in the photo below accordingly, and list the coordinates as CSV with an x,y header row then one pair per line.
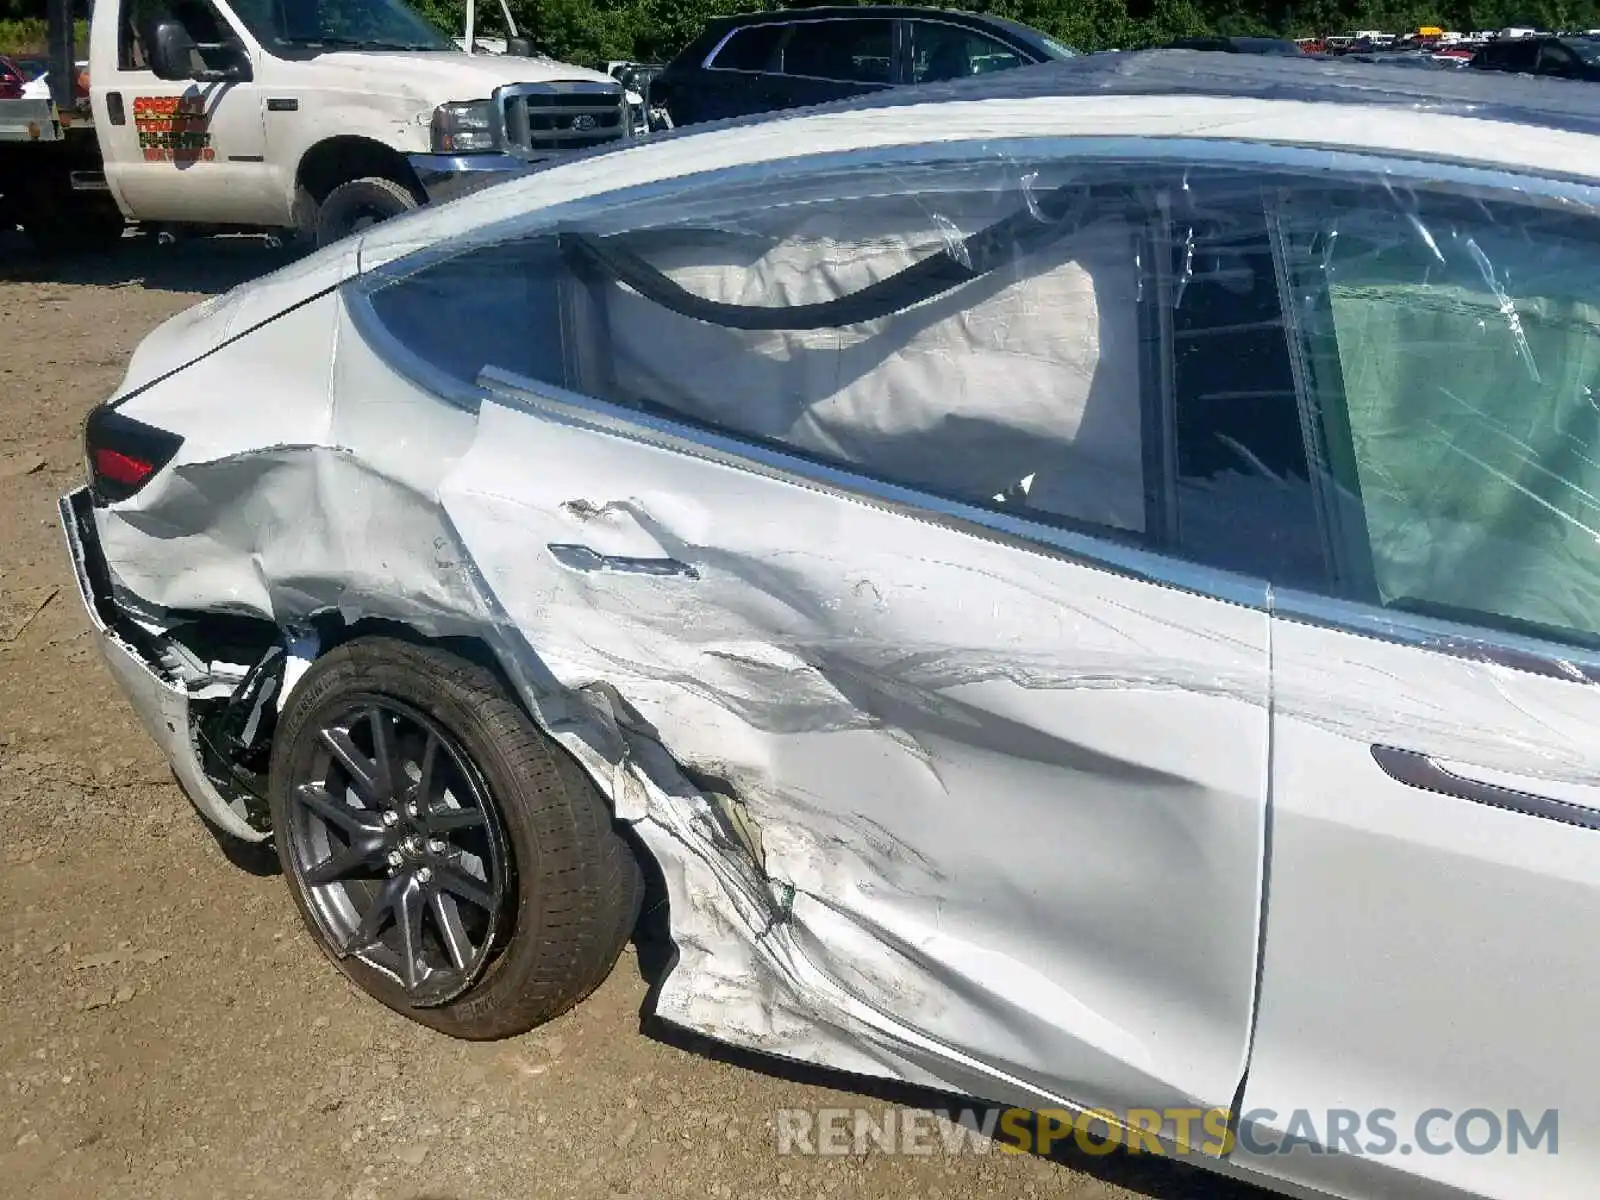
x,y
203,22
318,25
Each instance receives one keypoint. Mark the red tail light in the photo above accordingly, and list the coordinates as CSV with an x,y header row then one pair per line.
x,y
124,454
117,467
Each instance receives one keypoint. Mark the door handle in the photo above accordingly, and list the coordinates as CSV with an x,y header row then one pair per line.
x,y
1420,771
582,558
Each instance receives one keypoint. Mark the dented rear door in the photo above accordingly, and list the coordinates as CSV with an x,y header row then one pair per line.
x,y
1012,800
835,520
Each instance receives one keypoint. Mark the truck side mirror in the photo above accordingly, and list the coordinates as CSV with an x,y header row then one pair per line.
x,y
520,47
171,51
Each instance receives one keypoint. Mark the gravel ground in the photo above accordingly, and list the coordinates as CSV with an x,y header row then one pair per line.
x,y
168,1029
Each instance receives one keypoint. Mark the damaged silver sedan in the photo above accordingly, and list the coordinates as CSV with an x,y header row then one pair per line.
x,y
1083,582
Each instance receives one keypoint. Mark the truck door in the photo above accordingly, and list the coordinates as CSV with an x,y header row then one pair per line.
x,y
179,150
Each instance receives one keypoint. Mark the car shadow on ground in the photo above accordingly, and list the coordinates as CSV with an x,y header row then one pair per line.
x,y
205,266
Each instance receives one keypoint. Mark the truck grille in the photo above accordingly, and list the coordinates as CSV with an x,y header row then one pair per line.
x,y
547,118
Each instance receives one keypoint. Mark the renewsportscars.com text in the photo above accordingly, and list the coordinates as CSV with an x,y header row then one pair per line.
x,y
1211,1131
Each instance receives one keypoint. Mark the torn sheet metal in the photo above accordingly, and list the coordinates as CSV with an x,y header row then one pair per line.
x,y
163,706
941,758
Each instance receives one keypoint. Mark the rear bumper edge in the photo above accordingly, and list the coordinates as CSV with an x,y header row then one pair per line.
x,y
162,706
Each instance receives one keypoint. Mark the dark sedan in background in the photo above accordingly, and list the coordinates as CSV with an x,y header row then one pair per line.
x,y
1563,57
760,62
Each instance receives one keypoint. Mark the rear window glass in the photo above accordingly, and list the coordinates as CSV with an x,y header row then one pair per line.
x,y
847,50
749,49
965,331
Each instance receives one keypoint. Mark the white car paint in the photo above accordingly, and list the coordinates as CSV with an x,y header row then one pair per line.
x,y
938,908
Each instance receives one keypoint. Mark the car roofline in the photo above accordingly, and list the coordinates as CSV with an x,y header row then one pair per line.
x,y
1482,95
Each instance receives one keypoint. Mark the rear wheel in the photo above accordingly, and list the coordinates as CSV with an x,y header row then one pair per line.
x,y
447,856
359,204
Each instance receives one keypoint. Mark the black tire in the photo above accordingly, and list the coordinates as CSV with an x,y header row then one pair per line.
x,y
352,207
572,886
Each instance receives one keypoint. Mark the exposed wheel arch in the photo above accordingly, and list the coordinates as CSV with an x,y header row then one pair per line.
x,y
337,160
467,811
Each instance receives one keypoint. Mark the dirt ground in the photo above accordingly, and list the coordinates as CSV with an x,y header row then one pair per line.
x,y
168,1030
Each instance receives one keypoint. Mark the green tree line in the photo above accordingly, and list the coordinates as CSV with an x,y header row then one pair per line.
x,y
594,31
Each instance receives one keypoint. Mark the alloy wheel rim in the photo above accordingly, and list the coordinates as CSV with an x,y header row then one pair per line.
x,y
398,849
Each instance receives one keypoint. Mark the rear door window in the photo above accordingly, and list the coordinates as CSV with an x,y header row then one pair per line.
x,y
968,331
1099,347
940,51
848,50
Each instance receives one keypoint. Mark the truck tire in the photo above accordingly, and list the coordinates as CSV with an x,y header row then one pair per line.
x,y
360,204
500,857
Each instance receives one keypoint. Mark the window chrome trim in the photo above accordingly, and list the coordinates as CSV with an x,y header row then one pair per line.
x,y
1473,643
573,408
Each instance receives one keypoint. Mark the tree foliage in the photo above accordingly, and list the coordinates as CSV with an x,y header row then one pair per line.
x,y
594,31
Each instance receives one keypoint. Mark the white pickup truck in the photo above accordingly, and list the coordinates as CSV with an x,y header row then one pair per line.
x,y
320,116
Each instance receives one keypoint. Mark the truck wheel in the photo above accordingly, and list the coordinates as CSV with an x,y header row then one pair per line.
x,y
449,858
360,204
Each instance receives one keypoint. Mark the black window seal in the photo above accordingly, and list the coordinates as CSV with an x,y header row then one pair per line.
x,y
1342,529
1158,379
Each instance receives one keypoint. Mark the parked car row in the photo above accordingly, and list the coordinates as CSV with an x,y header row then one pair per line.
x,y
793,58
790,58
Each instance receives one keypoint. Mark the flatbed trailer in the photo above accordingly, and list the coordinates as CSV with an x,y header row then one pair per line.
x,y
52,178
